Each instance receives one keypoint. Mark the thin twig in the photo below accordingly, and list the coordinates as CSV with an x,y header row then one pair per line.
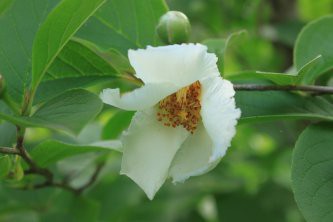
x,y
34,168
64,185
311,88
8,150
92,179
44,172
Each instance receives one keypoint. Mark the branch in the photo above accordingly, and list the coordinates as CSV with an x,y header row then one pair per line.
x,y
7,150
46,184
64,185
314,89
34,168
92,179
46,173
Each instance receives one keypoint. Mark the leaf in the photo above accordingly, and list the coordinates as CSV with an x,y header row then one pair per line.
x,y
8,134
51,151
60,25
84,209
4,5
18,27
19,214
302,77
124,24
269,105
80,58
220,46
52,88
69,111
117,124
278,78
271,203
16,172
7,114
5,166
312,172
307,74
81,64
217,46
315,39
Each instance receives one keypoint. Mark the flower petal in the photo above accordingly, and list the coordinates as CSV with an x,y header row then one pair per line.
x,y
149,148
178,64
139,99
192,159
219,113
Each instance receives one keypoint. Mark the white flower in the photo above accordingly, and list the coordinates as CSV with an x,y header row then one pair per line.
x,y
185,117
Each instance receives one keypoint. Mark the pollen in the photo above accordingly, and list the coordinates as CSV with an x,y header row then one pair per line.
x,y
181,108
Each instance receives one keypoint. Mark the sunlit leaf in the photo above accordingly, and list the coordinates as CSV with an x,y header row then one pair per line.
x,y
124,24
117,124
55,33
16,38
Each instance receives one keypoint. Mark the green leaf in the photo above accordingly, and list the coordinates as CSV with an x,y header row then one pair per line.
x,y
315,39
81,64
220,46
312,173
217,46
117,124
124,24
308,10
271,203
4,5
80,58
278,78
8,134
84,210
7,114
302,77
18,27
16,173
60,25
52,88
269,105
5,166
69,111
51,151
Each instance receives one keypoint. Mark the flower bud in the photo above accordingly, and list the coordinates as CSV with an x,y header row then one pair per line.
x,y
174,28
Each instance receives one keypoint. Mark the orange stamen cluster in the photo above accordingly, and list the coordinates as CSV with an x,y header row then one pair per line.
x,y
182,108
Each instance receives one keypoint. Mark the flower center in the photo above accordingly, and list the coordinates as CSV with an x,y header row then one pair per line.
x,y
182,108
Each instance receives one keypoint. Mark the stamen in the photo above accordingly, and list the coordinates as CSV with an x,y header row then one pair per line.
x,y
182,108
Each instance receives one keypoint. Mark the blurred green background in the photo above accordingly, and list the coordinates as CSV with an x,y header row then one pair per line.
x,y
252,182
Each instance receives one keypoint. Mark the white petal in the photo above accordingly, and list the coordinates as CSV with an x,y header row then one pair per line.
x,y
148,150
219,113
139,99
193,158
178,64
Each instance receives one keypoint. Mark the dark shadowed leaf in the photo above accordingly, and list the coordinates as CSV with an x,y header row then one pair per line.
x,y
312,173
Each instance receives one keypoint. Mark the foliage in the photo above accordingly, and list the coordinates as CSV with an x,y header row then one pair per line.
x,y
56,56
